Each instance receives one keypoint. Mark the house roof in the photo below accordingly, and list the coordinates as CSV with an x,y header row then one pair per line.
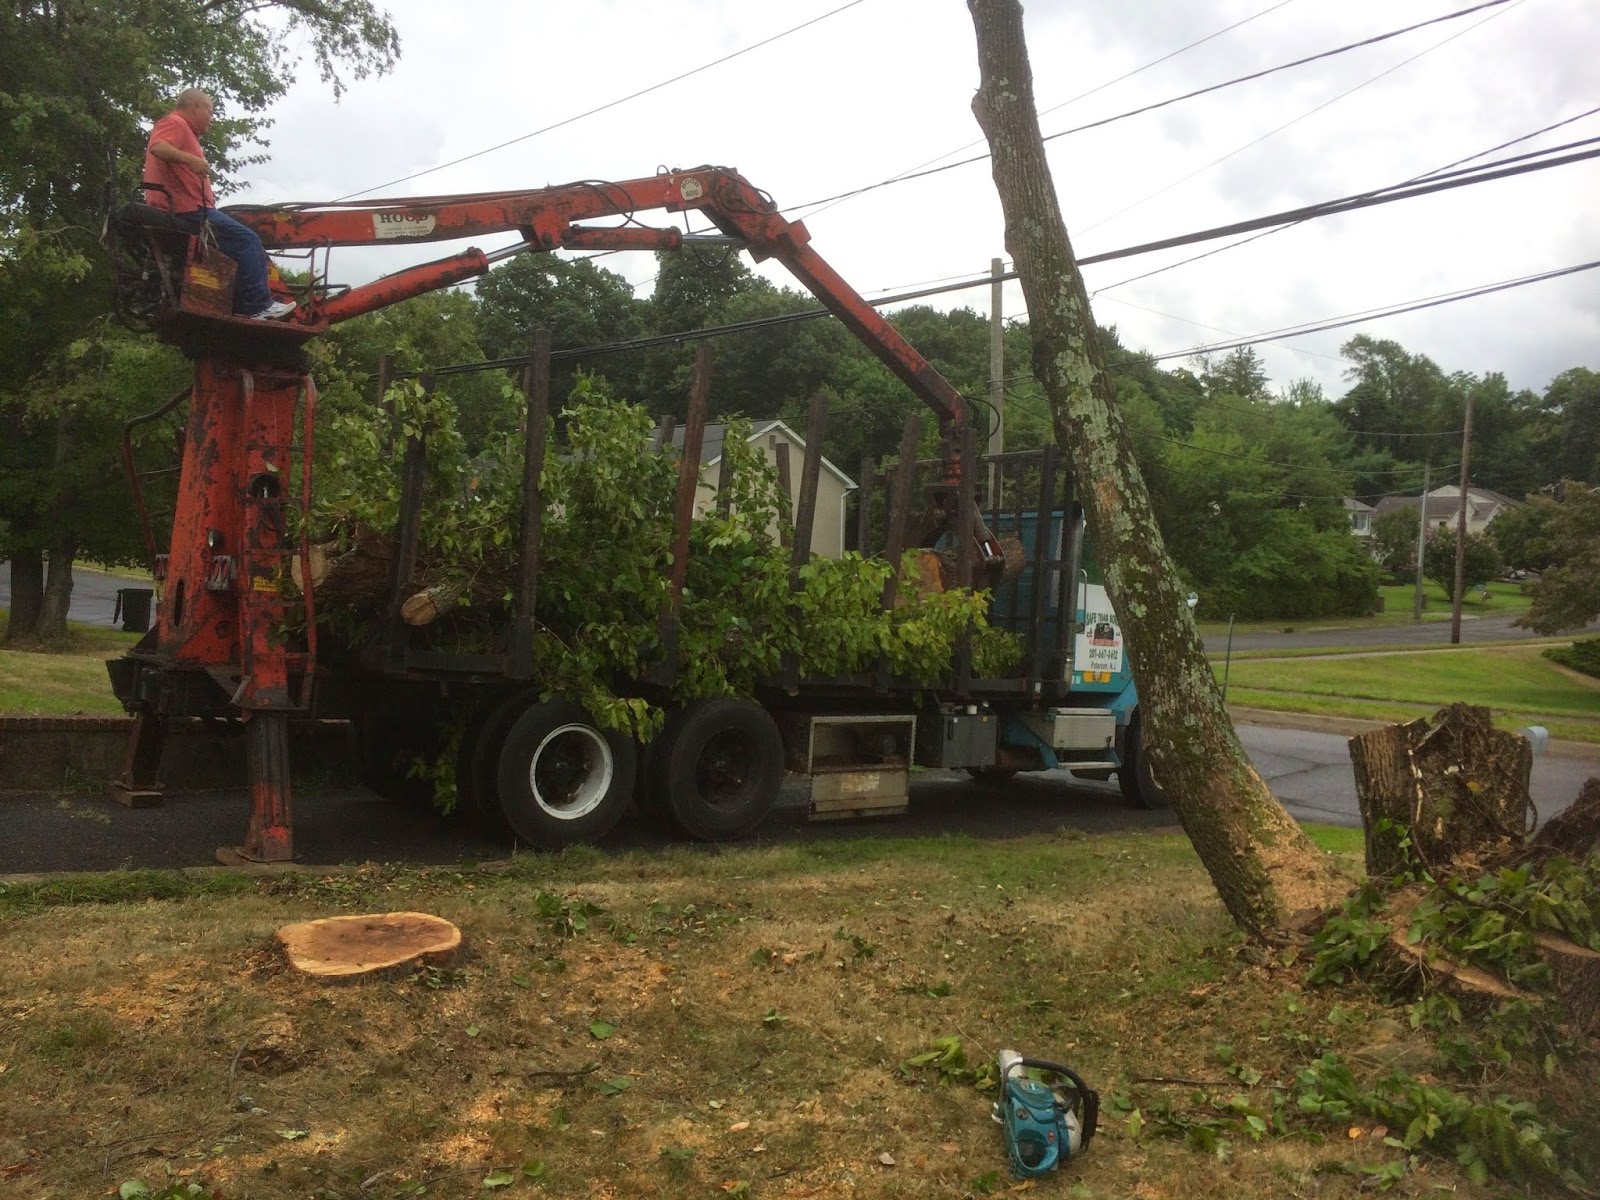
x,y
1354,505
717,432
1444,504
1479,497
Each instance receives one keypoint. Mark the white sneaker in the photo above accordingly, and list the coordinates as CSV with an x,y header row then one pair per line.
x,y
274,311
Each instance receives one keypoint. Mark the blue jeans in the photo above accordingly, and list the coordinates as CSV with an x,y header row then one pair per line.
x,y
250,294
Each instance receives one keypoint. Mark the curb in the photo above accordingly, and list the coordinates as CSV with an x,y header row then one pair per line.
x,y
1350,726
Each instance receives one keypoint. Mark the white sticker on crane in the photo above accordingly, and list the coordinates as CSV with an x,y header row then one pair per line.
x,y
1099,645
397,226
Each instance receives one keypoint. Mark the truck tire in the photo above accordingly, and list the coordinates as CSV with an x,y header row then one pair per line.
x,y
716,769
478,763
1138,784
562,779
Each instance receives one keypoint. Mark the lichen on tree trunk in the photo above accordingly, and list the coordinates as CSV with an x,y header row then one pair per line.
x,y
1264,867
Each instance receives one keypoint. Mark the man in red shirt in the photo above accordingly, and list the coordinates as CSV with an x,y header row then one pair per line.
x,y
174,161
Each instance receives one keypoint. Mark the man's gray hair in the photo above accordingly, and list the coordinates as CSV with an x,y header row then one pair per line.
x,y
193,98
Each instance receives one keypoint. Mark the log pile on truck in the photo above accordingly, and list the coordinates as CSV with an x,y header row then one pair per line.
x,y
607,498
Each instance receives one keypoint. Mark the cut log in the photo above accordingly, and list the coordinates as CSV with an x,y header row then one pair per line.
x,y
321,559
358,576
1458,788
432,603
336,948
924,576
1575,973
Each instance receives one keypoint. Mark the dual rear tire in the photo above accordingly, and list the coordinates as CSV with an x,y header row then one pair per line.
x,y
543,773
714,772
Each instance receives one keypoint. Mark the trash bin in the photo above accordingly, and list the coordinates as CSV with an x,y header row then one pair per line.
x,y
133,606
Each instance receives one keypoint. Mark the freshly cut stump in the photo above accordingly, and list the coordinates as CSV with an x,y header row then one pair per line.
x,y
344,947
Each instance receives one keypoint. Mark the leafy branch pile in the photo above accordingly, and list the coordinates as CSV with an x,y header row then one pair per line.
x,y
605,557
1484,958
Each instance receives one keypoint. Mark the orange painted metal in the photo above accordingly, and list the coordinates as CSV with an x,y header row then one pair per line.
x,y
545,218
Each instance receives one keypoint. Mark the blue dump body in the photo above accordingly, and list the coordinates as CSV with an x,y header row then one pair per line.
x,y
1099,635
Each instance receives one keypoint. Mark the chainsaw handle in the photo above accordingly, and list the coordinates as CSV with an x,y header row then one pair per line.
x,y
1091,1098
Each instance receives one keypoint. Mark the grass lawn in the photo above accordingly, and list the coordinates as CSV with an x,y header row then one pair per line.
x,y
681,1023
1516,681
62,682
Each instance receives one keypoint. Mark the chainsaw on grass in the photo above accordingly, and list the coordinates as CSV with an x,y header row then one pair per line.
x,y
1044,1124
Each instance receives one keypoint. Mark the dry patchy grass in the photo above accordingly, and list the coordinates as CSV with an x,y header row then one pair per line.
x,y
761,1004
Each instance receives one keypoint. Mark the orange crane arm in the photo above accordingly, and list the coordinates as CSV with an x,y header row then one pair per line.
x,y
548,218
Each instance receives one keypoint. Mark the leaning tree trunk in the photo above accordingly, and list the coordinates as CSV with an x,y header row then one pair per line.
x,y
27,594
1266,870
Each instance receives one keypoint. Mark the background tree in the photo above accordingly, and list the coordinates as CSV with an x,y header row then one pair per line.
x,y
1394,537
1568,443
580,303
1567,596
1239,373
1519,534
1439,559
79,80
1264,866
440,328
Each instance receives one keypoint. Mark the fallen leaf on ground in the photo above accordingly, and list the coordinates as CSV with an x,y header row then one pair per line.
x,y
886,1159
738,1126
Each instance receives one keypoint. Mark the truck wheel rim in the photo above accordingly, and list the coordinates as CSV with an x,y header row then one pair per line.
x,y
571,772
724,769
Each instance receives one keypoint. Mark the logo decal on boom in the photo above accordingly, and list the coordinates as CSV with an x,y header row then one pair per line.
x,y
394,226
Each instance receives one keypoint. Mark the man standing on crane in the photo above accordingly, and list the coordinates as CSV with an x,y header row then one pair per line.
x,y
173,159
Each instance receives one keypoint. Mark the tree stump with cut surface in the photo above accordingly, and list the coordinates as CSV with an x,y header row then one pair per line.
x,y
1457,787
336,948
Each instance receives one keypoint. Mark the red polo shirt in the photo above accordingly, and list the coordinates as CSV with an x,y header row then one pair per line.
x,y
190,190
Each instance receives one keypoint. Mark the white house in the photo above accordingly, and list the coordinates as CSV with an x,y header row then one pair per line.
x,y
1444,506
833,485
1360,517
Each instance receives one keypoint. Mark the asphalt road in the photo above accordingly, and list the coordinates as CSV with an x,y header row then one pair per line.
x,y
94,594
1309,772
1494,628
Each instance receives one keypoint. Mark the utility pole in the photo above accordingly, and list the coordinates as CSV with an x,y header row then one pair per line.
x,y
1461,530
997,374
1422,541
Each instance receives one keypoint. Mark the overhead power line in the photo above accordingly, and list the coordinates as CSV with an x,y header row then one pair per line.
x,y
1183,262
1498,169
1155,62
654,87
1134,112
1273,132
1379,313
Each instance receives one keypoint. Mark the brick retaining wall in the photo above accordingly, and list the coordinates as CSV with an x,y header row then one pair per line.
x,y
43,754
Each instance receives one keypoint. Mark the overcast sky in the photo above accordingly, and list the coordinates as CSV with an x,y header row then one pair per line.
x,y
885,86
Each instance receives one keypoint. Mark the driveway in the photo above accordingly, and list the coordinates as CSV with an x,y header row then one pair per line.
x,y
1310,772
